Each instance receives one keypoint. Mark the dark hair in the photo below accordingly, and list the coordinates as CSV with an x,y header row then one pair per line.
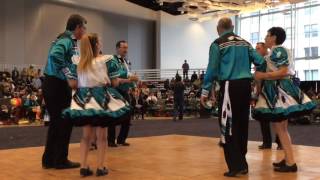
x,y
261,43
178,79
119,43
75,20
280,34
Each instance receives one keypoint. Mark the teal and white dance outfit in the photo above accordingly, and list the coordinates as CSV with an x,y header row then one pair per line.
x,y
95,102
281,99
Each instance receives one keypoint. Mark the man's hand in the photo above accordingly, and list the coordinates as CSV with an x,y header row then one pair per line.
x,y
73,83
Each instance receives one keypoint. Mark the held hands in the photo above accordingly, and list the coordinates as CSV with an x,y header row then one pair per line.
x,y
204,100
259,75
134,78
73,83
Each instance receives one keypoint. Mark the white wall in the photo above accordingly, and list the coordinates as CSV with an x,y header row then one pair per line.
x,y
182,39
29,26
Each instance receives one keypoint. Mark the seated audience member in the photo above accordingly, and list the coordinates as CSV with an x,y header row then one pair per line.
x,y
152,99
194,76
32,108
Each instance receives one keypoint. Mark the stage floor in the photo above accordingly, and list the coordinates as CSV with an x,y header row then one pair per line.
x,y
171,157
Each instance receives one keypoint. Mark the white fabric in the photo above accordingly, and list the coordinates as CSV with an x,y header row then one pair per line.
x,y
115,104
226,101
271,67
289,101
98,75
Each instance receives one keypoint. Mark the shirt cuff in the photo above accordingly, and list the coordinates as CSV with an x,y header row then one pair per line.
x,y
69,74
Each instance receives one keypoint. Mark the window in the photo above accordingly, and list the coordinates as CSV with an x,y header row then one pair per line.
x,y
311,52
302,28
307,75
311,75
288,32
310,30
314,51
307,52
254,37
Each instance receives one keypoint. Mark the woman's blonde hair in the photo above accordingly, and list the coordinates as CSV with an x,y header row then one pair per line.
x,y
88,51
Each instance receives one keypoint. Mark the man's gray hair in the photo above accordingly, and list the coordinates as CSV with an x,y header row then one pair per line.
x,y
225,23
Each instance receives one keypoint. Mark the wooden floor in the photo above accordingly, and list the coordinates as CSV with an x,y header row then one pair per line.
x,y
162,158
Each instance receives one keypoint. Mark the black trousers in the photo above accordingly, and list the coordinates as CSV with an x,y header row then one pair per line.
x,y
57,96
178,107
185,74
235,148
125,126
266,134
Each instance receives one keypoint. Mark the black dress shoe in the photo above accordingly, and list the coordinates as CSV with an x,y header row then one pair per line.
x,y
112,145
102,172
244,171
124,144
47,166
231,173
86,172
279,164
287,168
264,147
68,165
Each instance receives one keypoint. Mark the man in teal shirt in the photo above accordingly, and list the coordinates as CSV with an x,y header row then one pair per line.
x,y
118,69
230,60
60,77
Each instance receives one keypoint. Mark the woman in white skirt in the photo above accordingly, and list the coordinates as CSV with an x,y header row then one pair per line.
x,y
279,98
95,104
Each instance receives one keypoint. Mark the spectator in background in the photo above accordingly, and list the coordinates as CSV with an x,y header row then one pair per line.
x,y
178,89
15,74
30,71
24,73
152,99
6,72
202,76
167,85
36,82
194,77
185,68
32,107
39,73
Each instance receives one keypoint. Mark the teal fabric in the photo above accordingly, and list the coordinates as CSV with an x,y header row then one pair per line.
x,y
281,113
29,104
230,58
279,56
59,62
83,96
270,91
117,69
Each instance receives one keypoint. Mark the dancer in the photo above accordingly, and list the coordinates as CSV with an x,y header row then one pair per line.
x,y
265,125
94,103
280,99
230,60
120,75
59,77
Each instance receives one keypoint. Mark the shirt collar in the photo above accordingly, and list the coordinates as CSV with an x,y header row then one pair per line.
x,y
226,32
70,33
